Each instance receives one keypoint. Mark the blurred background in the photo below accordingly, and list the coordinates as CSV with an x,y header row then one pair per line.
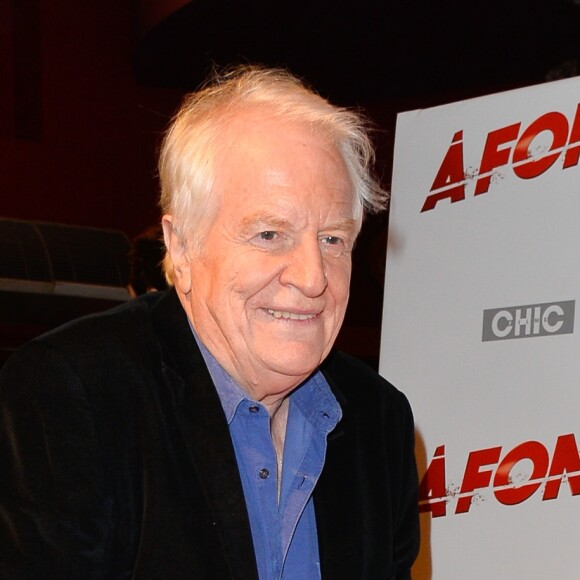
x,y
87,88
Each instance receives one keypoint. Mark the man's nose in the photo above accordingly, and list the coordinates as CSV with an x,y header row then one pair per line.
x,y
305,269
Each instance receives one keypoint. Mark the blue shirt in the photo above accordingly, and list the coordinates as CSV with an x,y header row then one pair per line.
x,y
284,533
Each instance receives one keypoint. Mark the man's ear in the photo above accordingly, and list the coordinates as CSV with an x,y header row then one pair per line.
x,y
177,251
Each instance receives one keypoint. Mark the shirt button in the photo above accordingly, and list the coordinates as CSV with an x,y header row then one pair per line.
x,y
263,473
254,409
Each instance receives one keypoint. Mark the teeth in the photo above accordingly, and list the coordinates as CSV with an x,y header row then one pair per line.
x,y
290,315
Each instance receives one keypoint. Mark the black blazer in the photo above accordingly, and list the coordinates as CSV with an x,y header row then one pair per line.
x,y
116,460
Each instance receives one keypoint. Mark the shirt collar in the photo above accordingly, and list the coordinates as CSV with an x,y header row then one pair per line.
x,y
314,397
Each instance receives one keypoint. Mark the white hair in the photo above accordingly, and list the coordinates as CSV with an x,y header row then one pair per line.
x,y
186,161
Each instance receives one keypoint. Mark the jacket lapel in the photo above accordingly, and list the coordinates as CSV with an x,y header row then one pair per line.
x,y
336,502
205,430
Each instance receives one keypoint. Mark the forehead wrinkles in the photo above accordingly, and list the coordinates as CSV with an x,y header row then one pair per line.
x,y
284,159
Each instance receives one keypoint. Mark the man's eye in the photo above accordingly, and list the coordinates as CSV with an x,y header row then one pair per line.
x,y
331,240
268,239
334,246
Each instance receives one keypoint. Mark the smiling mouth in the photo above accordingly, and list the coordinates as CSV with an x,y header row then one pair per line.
x,y
290,315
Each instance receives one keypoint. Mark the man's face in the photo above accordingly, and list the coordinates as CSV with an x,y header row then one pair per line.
x,y
268,291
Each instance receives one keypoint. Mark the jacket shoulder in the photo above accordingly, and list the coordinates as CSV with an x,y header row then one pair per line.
x,y
354,379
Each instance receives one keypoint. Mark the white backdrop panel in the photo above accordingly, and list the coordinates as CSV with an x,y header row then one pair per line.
x,y
514,246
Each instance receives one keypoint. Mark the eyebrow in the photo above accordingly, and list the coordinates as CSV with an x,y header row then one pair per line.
x,y
345,224
269,220
275,222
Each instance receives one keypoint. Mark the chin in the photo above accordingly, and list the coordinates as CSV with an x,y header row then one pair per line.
x,y
299,365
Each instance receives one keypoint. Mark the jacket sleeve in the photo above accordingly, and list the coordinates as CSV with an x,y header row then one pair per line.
x,y
54,512
406,524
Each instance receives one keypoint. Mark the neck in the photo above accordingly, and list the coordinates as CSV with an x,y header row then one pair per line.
x,y
278,422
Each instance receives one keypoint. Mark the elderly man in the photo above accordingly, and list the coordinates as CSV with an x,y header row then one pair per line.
x,y
210,431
